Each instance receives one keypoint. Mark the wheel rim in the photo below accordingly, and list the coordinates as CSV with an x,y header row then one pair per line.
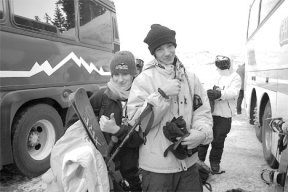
x,y
41,139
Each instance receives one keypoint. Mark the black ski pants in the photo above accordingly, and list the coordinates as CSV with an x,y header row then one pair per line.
x,y
221,127
239,101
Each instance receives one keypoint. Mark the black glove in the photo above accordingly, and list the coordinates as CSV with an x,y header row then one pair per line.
x,y
213,94
215,87
172,130
181,123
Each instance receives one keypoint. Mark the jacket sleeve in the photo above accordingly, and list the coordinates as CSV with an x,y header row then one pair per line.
x,y
202,117
134,141
143,92
232,91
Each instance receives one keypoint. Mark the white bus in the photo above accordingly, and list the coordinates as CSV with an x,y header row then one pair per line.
x,y
266,89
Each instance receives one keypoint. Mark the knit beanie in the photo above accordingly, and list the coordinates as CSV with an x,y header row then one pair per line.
x,y
159,35
123,62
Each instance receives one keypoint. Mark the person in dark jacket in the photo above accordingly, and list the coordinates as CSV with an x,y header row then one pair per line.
x,y
109,105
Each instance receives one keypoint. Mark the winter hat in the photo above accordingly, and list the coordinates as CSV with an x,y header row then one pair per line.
x,y
159,35
123,62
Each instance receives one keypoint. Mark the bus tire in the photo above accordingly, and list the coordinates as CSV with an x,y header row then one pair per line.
x,y
267,138
36,129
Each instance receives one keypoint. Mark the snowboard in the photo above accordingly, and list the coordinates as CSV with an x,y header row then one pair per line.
x,y
82,106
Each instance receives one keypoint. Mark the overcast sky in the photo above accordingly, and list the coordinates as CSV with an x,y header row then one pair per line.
x,y
212,25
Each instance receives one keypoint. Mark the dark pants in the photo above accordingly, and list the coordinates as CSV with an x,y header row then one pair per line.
x,y
128,158
221,127
182,181
239,101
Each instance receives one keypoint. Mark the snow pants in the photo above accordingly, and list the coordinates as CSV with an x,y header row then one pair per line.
x,y
221,127
239,101
182,181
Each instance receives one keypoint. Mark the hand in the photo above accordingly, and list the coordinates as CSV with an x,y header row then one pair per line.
x,y
194,139
213,94
172,87
108,125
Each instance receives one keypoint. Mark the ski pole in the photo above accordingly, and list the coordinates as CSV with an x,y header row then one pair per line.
x,y
145,112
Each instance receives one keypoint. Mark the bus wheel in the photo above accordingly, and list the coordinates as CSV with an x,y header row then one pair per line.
x,y
267,138
36,129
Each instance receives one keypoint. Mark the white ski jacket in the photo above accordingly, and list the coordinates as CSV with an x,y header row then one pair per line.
x,y
76,165
230,85
145,89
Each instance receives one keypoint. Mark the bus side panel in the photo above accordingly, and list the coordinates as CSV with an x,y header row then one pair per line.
x,y
267,61
282,95
29,61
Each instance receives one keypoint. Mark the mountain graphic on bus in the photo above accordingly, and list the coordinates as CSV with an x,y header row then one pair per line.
x,y
46,67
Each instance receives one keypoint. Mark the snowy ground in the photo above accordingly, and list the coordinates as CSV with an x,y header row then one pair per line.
x,y
242,161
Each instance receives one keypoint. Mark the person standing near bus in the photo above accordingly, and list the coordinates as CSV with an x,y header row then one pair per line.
x,y
241,71
224,94
109,105
179,101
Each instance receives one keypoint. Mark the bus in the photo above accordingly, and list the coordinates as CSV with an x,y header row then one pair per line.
x,y
48,48
266,73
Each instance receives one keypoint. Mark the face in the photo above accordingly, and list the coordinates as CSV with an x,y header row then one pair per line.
x,y
165,53
123,80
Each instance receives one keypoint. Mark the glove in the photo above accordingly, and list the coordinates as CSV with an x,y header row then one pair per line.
x,y
215,87
172,130
108,125
213,94
181,123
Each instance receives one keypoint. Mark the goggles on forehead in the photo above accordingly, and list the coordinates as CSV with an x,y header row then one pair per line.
x,y
222,58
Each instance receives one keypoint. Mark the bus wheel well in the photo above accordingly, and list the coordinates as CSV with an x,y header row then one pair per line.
x,y
263,103
48,101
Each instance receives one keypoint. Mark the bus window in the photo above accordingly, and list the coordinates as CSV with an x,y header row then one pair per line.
x,y
46,15
1,10
95,24
266,7
253,18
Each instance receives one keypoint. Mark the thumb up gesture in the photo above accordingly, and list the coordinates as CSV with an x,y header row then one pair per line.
x,y
172,87
108,125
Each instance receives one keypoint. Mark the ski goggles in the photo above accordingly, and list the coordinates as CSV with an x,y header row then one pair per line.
x,y
222,58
